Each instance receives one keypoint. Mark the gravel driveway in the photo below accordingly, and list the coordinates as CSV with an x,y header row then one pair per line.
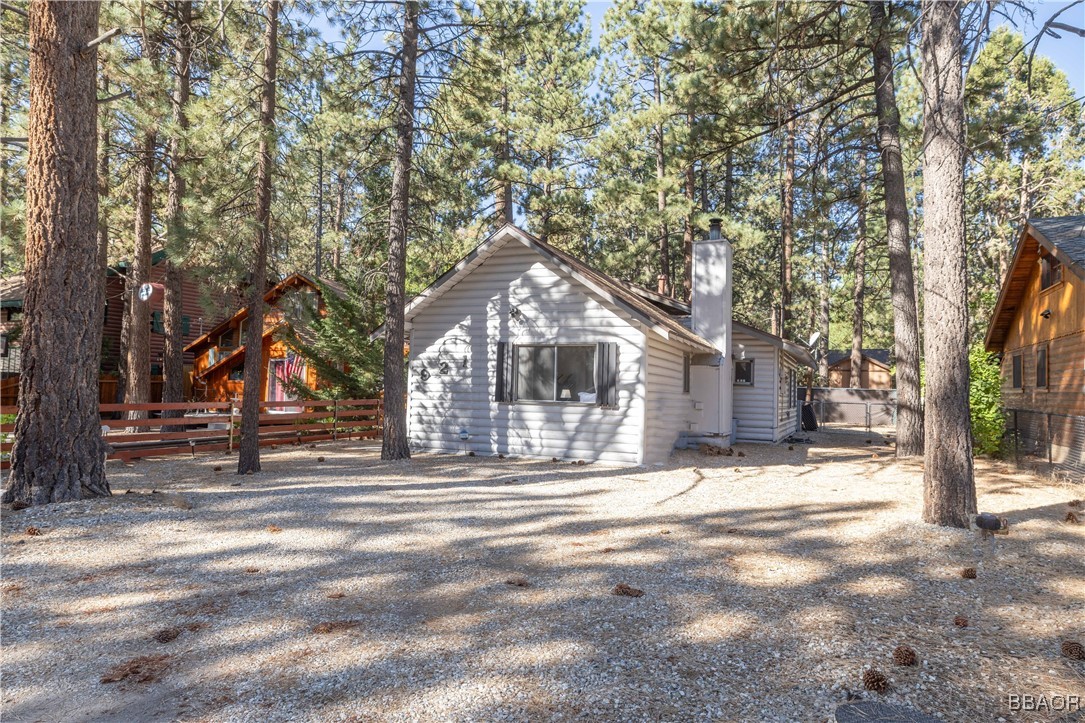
x,y
355,589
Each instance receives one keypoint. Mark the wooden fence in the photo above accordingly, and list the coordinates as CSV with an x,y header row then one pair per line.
x,y
216,426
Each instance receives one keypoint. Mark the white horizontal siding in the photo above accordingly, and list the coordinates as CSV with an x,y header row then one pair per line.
x,y
755,406
668,407
787,414
462,329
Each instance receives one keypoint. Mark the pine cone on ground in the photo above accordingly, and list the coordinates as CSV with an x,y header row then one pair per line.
x,y
904,655
960,621
1071,518
969,573
626,590
874,679
1073,650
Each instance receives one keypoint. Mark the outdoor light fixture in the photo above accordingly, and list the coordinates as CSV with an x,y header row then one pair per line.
x,y
1046,313
515,313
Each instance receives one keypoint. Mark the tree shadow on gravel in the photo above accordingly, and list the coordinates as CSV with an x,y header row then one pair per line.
x,y
771,582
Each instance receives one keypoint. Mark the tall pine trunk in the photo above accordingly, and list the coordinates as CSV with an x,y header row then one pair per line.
x,y
787,224
59,455
901,277
859,293
503,191
138,379
661,191
395,444
248,458
949,491
103,182
173,368
824,252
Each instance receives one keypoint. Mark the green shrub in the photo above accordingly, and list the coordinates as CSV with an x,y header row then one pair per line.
x,y
985,401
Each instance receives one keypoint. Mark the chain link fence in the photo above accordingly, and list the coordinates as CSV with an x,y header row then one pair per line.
x,y
1047,440
851,409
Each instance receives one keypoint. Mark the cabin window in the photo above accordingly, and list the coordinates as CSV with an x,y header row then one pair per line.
x,y
226,340
1050,272
1041,367
237,374
687,360
744,372
556,373
1017,376
3,345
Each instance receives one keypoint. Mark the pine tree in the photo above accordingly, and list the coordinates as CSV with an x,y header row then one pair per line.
x,y
395,443
949,491
248,458
59,455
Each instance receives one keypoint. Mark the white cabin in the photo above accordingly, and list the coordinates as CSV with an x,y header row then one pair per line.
x,y
523,350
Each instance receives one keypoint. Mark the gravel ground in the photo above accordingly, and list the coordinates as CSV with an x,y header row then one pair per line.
x,y
354,589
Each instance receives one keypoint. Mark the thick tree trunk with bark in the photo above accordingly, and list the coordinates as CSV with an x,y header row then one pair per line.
x,y
173,368
901,277
395,445
859,292
138,379
248,458
59,455
949,491
787,222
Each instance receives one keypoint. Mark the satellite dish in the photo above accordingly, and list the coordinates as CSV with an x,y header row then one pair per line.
x,y
813,339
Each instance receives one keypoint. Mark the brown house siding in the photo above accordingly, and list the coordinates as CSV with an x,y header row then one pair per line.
x,y
1062,333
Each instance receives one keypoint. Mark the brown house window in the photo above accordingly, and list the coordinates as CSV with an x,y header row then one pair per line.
x,y
1050,272
1041,367
1017,371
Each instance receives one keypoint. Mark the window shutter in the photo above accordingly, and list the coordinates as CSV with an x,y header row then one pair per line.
x,y
156,323
186,325
503,384
606,374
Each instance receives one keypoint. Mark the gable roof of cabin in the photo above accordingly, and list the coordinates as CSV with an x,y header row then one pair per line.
x,y
270,296
1062,237
609,288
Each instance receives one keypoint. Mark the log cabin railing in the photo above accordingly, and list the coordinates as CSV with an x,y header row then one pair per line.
x,y
216,426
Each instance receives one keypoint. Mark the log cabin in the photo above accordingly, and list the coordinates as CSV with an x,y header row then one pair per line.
x,y
1038,331
195,318
219,354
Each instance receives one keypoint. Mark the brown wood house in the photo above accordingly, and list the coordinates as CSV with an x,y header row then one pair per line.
x,y
1038,328
219,354
194,320
875,371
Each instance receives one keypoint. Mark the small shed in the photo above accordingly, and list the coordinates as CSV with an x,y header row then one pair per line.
x,y
875,371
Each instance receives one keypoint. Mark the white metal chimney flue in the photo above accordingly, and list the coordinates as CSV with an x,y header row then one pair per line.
x,y
711,316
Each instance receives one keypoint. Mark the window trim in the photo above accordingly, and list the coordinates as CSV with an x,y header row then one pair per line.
x,y
517,399
753,378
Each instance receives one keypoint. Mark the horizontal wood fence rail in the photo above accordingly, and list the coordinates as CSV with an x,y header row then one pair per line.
x,y
191,427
